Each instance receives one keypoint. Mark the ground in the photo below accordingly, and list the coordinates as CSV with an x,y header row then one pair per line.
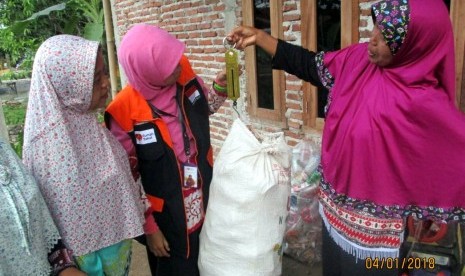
x,y
140,267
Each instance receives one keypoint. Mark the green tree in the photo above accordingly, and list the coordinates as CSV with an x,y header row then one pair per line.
x,y
25,24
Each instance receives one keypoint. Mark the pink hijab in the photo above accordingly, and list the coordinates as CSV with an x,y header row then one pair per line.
x,y
82,170
394,142
148,56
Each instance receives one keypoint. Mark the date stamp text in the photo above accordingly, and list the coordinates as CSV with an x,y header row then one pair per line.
x,y
399,263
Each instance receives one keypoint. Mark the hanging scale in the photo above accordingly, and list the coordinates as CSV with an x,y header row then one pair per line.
x,y
232,73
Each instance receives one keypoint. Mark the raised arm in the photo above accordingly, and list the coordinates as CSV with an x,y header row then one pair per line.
x,y
291,58
244,36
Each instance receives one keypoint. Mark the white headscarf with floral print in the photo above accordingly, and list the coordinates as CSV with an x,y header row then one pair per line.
x,y
27,233
80,167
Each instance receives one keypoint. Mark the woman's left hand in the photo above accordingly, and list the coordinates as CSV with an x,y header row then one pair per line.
x,y
221,77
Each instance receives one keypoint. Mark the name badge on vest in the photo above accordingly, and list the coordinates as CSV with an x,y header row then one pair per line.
x,y
145,136
190,176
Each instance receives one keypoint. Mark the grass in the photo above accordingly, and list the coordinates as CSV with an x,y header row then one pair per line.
x,y
15,114
14,74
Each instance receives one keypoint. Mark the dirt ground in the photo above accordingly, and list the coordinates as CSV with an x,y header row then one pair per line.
x,y
140,267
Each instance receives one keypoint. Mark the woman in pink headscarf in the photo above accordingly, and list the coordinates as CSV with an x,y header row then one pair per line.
x,y
393,141
162,119
81,169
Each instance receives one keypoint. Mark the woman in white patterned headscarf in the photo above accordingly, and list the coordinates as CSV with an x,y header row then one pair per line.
x,y
82,171
29,240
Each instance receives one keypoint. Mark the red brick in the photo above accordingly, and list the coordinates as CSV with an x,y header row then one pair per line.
x,y
292,78
204,9
291,17
207,58
294,97
204,26
218,24
294,87
205,42
296,115
211,50
365,34
289,7
296,27
195,19
209,34
176,28
191,42
295,106
211,17
294,125
190,27
365,12
194,34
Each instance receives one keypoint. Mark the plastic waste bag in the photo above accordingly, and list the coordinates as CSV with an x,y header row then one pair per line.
x,y
246,215
303,238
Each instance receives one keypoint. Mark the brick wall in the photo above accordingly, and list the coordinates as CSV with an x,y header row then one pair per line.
x,y
366,23
293,87
202,25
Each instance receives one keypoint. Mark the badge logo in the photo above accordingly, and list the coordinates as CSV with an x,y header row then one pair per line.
x,y
145,136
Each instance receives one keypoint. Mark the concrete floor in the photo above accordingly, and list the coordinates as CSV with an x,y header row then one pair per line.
x,y
140,267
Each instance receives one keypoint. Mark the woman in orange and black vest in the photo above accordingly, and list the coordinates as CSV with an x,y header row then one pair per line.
x,y
162,120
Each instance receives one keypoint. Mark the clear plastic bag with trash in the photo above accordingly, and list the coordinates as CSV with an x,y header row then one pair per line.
x,y
305,161
303,241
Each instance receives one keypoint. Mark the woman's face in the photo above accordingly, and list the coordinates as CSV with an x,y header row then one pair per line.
x,y
378,50
171,79
101,84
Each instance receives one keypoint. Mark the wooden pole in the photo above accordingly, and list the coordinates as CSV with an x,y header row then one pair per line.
x,y
112,62
457,9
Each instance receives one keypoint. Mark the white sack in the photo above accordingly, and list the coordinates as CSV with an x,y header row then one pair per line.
x,y
245,220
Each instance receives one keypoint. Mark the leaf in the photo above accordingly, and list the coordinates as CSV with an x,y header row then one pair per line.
x,y
20,26
47,11
93,31
92,10
71,25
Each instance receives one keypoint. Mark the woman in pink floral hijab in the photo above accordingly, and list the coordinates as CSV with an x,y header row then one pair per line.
x,y
82,171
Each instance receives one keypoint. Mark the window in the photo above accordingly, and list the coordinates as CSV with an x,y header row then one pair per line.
x,y
261,11
326,25
328,38
265,86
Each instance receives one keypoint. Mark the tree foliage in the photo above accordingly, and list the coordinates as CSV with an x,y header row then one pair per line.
x,y
25,24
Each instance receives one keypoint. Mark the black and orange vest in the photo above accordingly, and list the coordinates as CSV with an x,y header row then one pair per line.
x,y
159,167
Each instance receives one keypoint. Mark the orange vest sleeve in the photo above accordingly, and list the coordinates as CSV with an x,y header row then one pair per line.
x,y
129,107
187,73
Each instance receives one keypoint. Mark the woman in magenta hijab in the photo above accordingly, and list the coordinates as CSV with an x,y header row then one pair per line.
x,y
394,142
